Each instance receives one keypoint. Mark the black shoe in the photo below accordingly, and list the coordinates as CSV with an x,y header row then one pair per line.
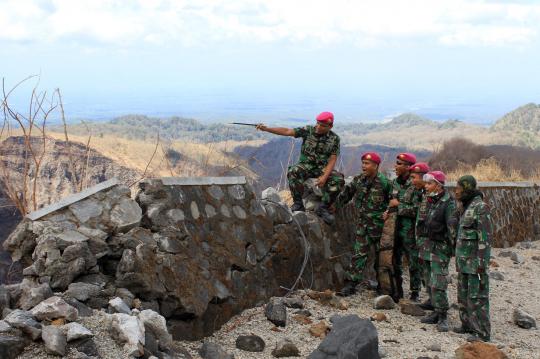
x,y
477,338
298,206
326,216
348,290
426,305
415,297
461,330
442,323
432,318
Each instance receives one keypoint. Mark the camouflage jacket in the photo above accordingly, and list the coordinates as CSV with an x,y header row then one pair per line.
x,y
370,196
406,210
473,247
316,149
422,240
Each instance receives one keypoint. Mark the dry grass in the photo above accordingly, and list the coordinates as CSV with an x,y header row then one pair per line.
x,y
488,170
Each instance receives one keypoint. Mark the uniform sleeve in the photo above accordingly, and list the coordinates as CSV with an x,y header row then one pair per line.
x,y
347,193
452,221
301,132
484,234
335,148
409,208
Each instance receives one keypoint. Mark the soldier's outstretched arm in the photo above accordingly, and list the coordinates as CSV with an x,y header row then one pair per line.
x,y
346,194
282,131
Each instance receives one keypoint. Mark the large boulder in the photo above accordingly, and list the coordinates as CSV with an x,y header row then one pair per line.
x,y
53,308
129,331
11,346
25,321
350,337
54,339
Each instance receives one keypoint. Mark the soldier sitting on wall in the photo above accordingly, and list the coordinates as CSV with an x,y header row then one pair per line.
x,y
318,156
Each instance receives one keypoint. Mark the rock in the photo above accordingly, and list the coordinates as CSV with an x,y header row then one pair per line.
x,y
32,294
496,275
479,350
5,298
271,194
82,291
83,310
129,331
24,321
382,352
155,323
302,319
54,339
250,343
77,331
384,302
517,258
117,305
535,258
54,307
293,302
304,312
411,309
285,348
493,263
125,295
319,330
523,319
435,347
211,350
276,312
506,254
11,346
125,215
86,346
279,214
5,327
350,337
379,317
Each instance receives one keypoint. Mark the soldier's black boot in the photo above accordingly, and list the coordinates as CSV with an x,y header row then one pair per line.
x,y
348,289
476,338
432,318
298,205
426,305
323,212
461,330
442,323
414,296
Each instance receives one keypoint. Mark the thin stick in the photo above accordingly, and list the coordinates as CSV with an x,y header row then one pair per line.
x,y
148,164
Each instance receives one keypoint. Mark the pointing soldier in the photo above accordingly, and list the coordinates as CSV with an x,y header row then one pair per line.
x,y
318,156
473,250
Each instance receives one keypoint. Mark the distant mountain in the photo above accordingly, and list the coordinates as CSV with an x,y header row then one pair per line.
x,y
524,118
410,119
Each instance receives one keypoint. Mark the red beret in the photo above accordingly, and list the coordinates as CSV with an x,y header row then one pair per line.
x,y
326,117
438,176
372,156
420,167
407,157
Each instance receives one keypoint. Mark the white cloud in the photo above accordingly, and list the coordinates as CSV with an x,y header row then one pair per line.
x,y
359,23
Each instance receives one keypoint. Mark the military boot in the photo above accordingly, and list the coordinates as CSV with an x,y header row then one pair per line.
x,y
323,212
477,338
349,289
415,296
442,323
298,205
432,318
426,305
461,330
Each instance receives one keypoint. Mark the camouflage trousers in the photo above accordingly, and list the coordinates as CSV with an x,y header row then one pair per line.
x,y
424,261
299,173
473,299
361,249
425,266
438,280
405,245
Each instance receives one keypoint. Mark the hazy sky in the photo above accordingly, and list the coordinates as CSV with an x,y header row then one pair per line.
x,y
283,58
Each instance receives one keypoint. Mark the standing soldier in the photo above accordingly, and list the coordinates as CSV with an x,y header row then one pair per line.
x,y
473,250
404,240
370,192
318,156
441,229
418,170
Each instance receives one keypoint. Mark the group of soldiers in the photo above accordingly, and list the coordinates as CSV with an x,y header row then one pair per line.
x,y
431,225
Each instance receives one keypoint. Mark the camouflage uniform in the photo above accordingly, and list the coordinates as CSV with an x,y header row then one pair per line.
x,y
370,197
473,250
314,155
422,240
441,226
404,240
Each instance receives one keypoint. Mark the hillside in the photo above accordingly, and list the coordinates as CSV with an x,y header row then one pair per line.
x,y
522,126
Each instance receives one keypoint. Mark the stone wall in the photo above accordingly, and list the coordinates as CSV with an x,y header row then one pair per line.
x,y
515,209
198,250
